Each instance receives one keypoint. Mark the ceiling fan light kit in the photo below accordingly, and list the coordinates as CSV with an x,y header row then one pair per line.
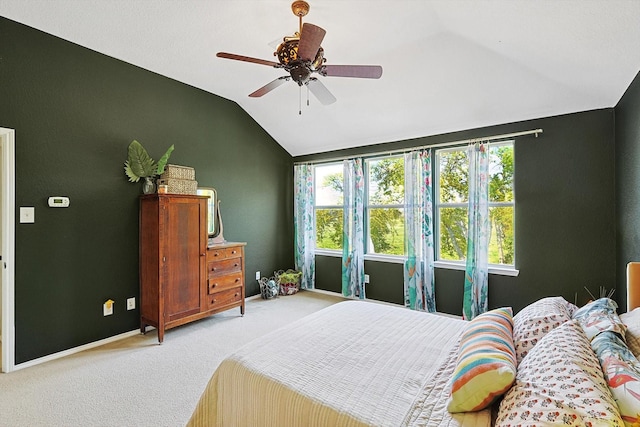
x,y
301,56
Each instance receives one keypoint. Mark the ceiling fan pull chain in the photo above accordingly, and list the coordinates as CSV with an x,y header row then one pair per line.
x,y
299,101
307,95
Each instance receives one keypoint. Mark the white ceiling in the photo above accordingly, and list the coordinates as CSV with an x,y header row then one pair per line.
x,y
448,65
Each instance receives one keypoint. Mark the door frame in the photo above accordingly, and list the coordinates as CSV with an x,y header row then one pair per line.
x,y
7,222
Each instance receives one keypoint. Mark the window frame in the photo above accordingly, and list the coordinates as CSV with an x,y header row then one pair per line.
x,y
503,269
324,251
500,269
368,207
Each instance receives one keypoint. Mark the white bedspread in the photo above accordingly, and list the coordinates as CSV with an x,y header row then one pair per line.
x,y
352,364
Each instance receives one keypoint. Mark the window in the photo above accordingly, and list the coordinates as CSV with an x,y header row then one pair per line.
x,y
452,197
328,205
385,205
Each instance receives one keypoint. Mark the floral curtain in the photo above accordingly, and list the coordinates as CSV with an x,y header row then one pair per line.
x,y
419,285
476,275
353,230
304,224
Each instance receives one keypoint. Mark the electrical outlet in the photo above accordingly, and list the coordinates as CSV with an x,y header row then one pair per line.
x,y
366,278
257,275
131,303
107,308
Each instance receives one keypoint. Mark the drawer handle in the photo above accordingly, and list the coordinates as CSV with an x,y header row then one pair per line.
x,y
213,301
237,279
236,294
233,252
236,264
213,269
214,285
216,254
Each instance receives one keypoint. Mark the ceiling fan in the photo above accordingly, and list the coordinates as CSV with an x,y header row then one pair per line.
x,y
302,56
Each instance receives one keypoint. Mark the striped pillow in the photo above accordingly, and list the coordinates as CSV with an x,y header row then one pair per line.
x,y
486,365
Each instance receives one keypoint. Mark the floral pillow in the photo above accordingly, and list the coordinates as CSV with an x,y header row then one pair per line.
x,y
571,307
622,372
560,382
536,320
632,321
599,316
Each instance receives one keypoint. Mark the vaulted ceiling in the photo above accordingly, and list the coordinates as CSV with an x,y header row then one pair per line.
x,y
448,65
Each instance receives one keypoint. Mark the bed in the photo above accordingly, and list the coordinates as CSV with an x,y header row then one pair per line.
x,y
359,363
385,362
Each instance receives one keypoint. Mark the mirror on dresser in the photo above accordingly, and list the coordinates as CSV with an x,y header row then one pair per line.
x,y
214,223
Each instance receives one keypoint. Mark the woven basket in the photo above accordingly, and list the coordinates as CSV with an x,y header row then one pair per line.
x,y
178,172
269,287
287,288
179,186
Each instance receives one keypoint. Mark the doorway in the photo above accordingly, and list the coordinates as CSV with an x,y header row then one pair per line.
x,y
7,248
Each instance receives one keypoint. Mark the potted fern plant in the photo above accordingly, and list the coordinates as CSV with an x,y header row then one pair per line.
x,y
140,165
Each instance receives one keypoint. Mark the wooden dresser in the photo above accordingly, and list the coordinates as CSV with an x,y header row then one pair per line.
x,y
177,285
225,276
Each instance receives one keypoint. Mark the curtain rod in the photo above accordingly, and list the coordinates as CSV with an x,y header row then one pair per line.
x,y
422,147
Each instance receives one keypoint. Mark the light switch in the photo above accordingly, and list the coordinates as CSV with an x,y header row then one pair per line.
x,y
27,214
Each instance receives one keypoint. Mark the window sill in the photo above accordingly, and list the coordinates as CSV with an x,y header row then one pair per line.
x,y
502,271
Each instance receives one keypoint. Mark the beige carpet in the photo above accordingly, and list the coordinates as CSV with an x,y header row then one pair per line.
x,y
135,381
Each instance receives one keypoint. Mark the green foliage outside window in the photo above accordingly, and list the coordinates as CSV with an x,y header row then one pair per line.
x,y
329,228
385,211
387,231
453,194
386,193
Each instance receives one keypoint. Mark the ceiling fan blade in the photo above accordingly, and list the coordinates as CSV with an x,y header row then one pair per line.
x,y
247,59
360,71
310,40
321,92
269,87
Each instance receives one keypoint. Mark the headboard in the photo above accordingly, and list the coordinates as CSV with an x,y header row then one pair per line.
x,y
633,285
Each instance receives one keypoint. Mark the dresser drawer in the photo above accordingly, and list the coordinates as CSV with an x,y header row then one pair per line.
x,y
222,253
220,299
221,283
223,267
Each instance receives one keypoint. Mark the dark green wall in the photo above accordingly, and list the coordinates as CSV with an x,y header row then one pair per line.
x,y
75,112
627,183
565,216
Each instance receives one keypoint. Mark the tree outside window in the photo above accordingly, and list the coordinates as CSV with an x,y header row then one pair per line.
x,y
385,205
452,203
384,180
329,205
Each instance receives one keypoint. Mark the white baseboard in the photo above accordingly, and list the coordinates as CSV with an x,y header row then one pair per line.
x,y
74,350
91,345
